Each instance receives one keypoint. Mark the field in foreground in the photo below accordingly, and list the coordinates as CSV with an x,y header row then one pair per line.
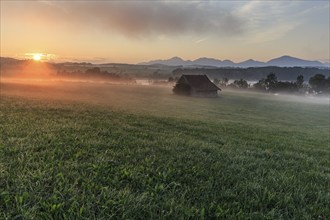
x,y
109,151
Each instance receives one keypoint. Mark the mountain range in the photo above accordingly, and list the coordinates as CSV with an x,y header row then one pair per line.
x,y
283,61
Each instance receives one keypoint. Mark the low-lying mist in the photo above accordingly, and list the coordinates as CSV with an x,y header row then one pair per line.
x,y
28,70
323,100
283,96
230,106
38,80
101,92
104,90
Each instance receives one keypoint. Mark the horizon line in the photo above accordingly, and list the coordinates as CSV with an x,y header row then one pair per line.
x,y
91,61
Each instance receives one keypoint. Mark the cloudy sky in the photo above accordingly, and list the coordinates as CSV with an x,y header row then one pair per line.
x,y
136,31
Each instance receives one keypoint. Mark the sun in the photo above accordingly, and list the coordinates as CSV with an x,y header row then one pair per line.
x,y
37,57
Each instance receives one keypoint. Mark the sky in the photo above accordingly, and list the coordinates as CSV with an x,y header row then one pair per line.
x,y
137,31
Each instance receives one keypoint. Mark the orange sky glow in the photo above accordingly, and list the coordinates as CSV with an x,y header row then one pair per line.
x,y
137,31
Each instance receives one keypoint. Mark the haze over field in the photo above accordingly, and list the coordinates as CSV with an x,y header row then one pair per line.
x,y
138,31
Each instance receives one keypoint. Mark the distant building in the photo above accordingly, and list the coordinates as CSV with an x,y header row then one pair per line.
x,y
196,85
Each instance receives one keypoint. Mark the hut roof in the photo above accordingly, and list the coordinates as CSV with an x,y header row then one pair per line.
x,y
199,82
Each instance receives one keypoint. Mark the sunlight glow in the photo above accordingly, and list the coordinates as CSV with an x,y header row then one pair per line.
x,y
37,57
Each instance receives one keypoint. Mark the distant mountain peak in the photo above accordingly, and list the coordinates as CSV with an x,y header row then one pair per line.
x,y
206,58
288,61
283,61
176,58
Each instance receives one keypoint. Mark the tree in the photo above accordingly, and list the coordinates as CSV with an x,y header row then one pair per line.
x,y
271,82
300,81
224,81
288,87
241,84
260,85
94,70
216,81
319,83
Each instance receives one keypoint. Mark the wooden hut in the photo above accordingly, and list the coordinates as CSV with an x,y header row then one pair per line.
x,y
196,85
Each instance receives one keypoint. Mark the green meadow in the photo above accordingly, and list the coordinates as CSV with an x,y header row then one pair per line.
x,y
85,151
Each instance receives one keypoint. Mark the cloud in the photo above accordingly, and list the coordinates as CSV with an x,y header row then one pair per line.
x,y
269,21
274,33
146,18
201,40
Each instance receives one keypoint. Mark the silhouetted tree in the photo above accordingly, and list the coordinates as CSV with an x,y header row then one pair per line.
x,y
271,82
300,81
286,86
255,73
260,85
94,70
319,83
224,81
216,81
241,84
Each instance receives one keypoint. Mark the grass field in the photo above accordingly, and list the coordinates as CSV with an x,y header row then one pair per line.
x,y
103,151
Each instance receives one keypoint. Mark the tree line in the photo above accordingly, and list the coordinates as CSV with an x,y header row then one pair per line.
x,y
94,73
254,73
317,84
